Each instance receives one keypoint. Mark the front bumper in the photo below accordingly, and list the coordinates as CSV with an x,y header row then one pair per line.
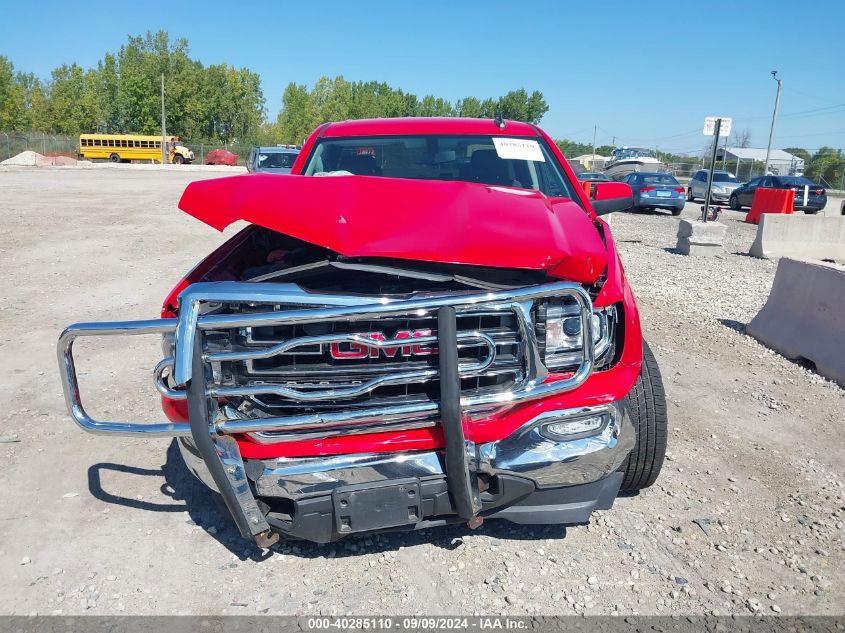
x,y
526,455
527,478
717,196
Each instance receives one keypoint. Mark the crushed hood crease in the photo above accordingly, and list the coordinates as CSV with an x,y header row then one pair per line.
x,y
433,221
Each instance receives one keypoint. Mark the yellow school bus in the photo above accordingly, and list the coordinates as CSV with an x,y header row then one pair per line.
x,y
123,148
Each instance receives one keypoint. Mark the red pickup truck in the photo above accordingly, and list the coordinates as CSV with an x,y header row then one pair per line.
x,y
426,323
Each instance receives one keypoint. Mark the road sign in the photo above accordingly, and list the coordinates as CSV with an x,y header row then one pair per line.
x,y
710,126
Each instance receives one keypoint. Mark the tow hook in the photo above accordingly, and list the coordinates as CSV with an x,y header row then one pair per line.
x,y
475,522
266,539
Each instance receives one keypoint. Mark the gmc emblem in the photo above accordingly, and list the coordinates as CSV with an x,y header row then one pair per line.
x,y
347,351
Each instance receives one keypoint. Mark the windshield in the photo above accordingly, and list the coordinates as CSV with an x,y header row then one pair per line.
x,y
509,162
723,177
795,181
659,179
276,160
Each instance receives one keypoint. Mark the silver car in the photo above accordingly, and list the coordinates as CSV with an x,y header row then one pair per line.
x,y
273,160
724,183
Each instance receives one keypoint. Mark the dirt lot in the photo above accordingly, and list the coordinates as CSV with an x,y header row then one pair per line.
x,y
746,517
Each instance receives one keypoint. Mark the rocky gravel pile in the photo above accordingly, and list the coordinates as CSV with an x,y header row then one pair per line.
x,y
746,517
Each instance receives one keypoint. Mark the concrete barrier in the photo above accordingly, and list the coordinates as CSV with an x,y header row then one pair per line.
x,y
809,236
804,316
700,238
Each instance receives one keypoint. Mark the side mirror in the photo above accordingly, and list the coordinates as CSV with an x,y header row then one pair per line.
x,y
609,197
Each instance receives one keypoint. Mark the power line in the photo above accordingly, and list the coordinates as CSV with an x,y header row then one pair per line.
x,y
792,114
814,134
804,94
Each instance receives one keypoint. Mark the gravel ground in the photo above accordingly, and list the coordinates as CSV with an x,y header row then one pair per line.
x,y
747,516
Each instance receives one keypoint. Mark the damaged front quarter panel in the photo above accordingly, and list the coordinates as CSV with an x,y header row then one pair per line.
x,y
431,221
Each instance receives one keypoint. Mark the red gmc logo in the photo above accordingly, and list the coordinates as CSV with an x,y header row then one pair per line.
x,y
345,351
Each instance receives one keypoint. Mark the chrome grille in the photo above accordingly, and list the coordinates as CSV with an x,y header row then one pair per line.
x,y
327,381
222,325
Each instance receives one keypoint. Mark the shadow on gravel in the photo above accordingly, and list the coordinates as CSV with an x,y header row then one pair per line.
x,y
190,496
672,250
734,325
208,513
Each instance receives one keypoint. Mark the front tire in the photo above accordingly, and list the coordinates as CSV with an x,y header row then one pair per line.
x,y
810,211
114,158
647,406
690,197
733,203
178,159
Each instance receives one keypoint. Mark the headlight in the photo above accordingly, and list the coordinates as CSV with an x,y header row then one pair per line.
x,y
563,341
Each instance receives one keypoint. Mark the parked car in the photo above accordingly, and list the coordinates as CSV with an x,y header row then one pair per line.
x,y
273,160
221,157
656,190
724,184
816,195
593,176
422,346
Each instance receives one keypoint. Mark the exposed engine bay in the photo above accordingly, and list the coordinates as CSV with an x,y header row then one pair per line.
x,y
273,257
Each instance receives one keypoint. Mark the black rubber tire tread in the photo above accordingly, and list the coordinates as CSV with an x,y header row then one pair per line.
x,y
647,405
733,203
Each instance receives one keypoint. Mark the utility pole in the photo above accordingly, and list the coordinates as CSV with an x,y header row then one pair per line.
x,y
706,208
164,153
593,157
772,129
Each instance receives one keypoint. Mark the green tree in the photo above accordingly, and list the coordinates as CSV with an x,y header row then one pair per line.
x,y
22,99
298,116
825,166
435,106
799,152
520,106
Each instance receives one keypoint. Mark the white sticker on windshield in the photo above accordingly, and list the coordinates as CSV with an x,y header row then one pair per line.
x,y
519,149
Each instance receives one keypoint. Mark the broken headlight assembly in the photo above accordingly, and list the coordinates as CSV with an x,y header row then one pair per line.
x,y
561,335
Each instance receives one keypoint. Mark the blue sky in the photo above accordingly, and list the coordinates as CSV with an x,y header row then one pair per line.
x,y
636,69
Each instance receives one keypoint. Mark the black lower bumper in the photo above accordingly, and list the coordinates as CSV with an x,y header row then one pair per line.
x,y
321,518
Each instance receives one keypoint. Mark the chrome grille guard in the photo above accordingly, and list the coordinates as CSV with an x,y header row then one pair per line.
x,y
190,324
211,429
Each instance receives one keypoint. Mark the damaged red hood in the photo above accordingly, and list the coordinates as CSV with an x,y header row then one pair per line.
x,y
434,221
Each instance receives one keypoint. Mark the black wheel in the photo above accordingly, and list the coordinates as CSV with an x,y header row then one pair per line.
x,y
178,159
647,406
115,158
733,203
810,211
676,211
690,197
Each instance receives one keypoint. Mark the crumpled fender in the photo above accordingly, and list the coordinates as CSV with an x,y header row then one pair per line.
x,y
433,221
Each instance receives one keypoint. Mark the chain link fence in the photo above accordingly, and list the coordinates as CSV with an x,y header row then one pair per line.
x,y
12,144
202,147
